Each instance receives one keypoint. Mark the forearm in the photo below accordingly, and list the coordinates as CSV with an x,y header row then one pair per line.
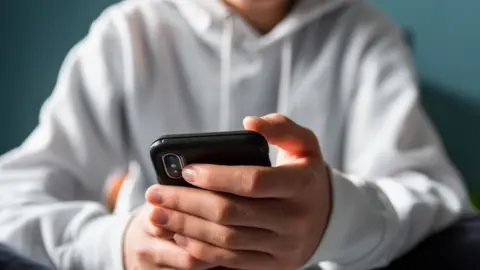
x,y
66,235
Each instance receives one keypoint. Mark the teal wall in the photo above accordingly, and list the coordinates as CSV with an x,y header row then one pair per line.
x,y
35,37
446,38
447,47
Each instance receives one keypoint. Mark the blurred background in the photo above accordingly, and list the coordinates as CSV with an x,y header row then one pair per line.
x,y
444,35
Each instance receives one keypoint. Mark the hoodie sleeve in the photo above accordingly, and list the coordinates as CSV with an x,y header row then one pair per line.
x,y
396,185
51,187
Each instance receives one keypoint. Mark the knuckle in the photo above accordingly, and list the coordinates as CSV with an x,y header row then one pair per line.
x,y
308,178
251,181
280,117
200,251
284,119
227,238
151,214
225,212
305,177
188,262
160,232
173,199
234,259
142,253
179,222
206,176
230,259
156,231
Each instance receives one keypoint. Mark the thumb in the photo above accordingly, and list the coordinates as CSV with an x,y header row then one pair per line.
x,y
281,131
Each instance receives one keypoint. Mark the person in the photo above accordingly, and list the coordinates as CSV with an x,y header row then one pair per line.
x,y
360,179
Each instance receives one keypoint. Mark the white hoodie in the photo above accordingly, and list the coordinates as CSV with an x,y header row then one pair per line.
x,y
151,67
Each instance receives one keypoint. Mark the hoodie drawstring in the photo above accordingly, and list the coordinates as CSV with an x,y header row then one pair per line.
x,y
225,73
285,76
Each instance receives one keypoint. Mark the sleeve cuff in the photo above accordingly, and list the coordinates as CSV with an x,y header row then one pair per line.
x,y
348,236
102,243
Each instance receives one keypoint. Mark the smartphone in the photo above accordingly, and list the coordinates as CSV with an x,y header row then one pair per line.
x,y
171,153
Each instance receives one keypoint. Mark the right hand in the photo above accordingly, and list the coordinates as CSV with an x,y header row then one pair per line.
x,y
146,247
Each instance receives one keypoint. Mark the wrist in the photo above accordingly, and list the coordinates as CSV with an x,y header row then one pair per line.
x,y
130,220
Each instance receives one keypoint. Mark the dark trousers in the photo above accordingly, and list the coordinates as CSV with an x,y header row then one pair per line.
x,y
456,248
11,260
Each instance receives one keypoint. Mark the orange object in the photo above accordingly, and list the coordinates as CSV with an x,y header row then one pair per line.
x,y
112,191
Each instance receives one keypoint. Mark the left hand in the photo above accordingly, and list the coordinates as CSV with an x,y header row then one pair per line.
x,y
247,217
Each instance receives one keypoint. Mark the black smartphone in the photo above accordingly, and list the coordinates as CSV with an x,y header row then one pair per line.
x,y
171,153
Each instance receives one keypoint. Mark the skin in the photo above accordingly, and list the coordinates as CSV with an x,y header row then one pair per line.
x,y
261,14
243,217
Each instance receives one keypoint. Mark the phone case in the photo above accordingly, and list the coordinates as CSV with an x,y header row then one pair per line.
x,y
221,148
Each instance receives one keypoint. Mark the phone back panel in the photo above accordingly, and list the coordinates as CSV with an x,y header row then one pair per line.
x,y
222,148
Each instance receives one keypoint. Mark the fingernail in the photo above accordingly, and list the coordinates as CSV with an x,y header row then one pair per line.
x,y
155,196
189,173
160,218
251,118
180,240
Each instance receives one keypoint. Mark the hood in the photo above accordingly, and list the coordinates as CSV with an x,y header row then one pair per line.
x,y
208,16
218,26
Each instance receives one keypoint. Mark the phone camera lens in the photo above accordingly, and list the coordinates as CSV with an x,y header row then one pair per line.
x,y
173,166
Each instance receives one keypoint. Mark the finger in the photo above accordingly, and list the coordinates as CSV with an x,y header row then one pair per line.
x,y
225,209
224,257
158,232
250,181
153,230
166,254
228,237
286,134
